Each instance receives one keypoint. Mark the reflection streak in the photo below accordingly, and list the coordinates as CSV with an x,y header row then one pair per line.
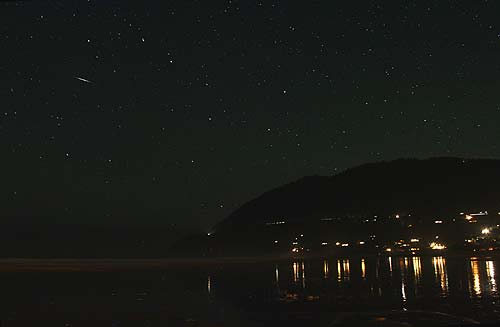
x,y
440,273
417,267
345,269
403,264
363,269
303,270
476,278
295,272
417,272
490,273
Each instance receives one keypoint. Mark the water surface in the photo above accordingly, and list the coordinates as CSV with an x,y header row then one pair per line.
x,y
287,292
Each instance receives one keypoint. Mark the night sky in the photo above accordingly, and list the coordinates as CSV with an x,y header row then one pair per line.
x,y
180,111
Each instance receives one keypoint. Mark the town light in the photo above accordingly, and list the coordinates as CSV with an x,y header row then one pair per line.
x,y
437,246
485,231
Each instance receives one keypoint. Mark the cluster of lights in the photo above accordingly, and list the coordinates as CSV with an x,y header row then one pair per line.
x,y
296,243
276,223
470,219
434,245
437,246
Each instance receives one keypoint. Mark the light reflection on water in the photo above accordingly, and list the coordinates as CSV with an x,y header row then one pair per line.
x,y
441,275
346,271
299,273
456,285
412,283
475,286
483,278
403,265
339,271
414,276
417,274
363,269
490,274
417,268
295,272
303,277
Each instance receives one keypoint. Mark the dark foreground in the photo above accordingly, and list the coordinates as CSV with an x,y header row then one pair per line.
x,y
378,291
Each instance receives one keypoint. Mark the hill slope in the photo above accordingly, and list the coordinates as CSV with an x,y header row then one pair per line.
x,y
438,186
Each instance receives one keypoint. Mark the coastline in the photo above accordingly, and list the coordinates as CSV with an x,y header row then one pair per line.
x,y
121,264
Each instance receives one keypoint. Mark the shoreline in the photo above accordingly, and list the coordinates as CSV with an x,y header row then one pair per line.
x,y
120,264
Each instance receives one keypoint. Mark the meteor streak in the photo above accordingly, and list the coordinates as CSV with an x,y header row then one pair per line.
x,y
83,80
